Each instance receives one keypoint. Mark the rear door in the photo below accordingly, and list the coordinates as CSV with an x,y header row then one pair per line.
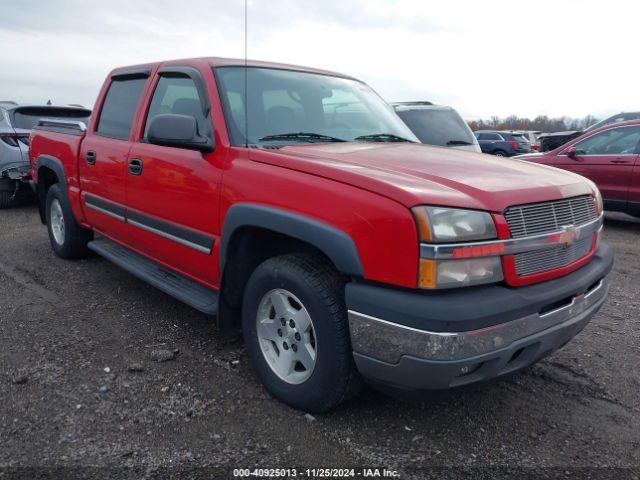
x,y
607,158
172,194
103,155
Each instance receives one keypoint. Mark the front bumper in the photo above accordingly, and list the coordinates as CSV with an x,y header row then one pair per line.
x,y
446,340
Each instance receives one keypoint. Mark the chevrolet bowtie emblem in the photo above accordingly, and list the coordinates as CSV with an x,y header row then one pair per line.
x,y
569,234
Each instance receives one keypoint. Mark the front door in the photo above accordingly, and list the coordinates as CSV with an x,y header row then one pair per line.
x,y
607,158
103,157
172,193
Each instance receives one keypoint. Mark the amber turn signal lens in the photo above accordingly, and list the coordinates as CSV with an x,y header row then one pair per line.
x,y
422,219
427,274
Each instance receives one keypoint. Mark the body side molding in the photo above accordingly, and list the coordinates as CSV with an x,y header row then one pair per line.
x,y
334,243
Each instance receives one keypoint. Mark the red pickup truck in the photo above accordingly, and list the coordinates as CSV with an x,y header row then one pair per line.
x,y
296,206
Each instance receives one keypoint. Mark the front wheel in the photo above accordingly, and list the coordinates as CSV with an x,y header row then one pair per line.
x,y
68,239
295,327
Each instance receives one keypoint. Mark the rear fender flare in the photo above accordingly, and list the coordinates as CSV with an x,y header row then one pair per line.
x,y
56,166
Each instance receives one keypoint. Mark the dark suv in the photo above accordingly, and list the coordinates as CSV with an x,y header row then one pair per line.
x,y
502,143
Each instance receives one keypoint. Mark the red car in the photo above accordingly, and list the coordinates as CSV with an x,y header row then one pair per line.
x,y
610,156
295,206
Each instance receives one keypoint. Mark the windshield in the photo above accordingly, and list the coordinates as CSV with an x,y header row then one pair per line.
x,y
438,127
287,107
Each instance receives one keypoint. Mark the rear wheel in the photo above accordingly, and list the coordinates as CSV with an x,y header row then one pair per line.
x,y
296,331
500,153
68,239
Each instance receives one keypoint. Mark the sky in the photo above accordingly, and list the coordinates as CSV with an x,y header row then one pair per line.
x,y
483,57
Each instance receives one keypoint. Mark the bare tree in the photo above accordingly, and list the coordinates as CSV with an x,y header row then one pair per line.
x,y
541,123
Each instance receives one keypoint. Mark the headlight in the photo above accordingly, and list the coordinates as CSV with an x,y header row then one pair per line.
x,y
599,203
452,225
438,224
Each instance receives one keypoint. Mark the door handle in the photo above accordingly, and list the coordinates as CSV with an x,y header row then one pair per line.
x,y
135,166
620,160
90,157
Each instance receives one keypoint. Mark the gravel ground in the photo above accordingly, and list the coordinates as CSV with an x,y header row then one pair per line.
x,y
102,376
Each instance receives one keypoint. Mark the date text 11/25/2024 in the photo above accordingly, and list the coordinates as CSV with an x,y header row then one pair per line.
x,y
315,473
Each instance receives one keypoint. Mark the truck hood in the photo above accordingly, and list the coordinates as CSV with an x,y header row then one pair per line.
x,y
417,174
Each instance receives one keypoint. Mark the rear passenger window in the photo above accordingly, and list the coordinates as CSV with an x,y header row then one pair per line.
x,y
119,107
178,94
488,136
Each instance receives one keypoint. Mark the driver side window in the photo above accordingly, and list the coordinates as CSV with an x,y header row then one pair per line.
x,y
177,94
617,141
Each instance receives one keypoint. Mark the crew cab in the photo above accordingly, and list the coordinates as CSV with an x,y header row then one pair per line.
x,y
295,206
610,157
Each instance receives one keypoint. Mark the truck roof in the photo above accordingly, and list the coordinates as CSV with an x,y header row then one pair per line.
x,y
227,62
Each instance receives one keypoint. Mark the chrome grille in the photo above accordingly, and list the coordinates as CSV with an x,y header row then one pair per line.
x,y
547,217
551,258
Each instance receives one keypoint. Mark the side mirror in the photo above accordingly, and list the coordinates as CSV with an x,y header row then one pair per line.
x,y
571,153
181,131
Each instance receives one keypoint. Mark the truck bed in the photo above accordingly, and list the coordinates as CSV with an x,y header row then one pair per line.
x,y
56,143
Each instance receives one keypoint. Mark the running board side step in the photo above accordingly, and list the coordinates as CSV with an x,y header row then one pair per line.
x,y
182,288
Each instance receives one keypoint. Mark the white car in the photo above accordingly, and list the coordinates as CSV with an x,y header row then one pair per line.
x,y
437,125
531,135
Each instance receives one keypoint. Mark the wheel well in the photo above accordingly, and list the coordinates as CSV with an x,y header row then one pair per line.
x,y
248,248
46,178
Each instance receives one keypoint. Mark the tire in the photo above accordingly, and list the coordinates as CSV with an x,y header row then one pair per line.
x,y
68,239
7,200
317,289
500,153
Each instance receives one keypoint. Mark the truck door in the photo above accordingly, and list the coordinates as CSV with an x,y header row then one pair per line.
x,y
607,158
172,193
103,155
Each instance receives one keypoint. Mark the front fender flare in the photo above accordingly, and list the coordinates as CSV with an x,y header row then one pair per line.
x,y
334,243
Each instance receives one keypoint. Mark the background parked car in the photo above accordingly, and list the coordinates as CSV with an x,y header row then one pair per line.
x,y
551,141
610,157
532,136
502,143
16,122
437,125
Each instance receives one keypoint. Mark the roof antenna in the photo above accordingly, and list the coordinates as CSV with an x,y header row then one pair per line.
x,y
246,91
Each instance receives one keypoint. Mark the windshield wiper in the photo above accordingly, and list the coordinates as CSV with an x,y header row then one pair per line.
x,y
458,142
300,136
382,137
